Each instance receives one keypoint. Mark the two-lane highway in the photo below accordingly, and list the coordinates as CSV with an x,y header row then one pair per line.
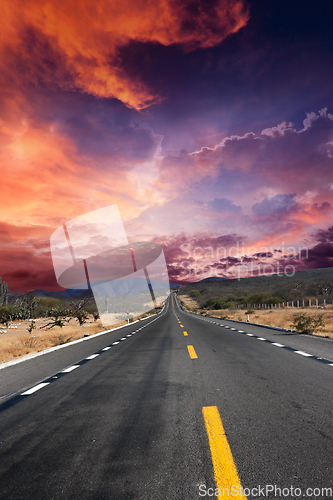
x,y
172,409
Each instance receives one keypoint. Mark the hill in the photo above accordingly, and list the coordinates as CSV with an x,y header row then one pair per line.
x,y
315,283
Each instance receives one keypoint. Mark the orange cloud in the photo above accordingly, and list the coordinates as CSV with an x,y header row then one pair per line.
x,y
46,181
75,43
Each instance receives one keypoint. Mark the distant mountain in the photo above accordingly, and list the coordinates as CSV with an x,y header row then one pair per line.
x,y
68,294
74,293
301,285
213,278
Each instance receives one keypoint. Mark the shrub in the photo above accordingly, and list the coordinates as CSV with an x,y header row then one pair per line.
x,y
217,303
306,324
45,304
60,340
274,300
250,311
32,326
29,342
194,294
256,298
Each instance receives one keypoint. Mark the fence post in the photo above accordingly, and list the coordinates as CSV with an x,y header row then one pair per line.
x,y
317,303
324,303
292,303
298,303
309,302
303,303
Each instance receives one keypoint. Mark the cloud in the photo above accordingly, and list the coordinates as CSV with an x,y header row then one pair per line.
x,y
76,44
54,170
278,205
189,254
27,265
224,205
280,155
325,235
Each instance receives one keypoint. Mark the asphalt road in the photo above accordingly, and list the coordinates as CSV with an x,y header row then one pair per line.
x,y
128,423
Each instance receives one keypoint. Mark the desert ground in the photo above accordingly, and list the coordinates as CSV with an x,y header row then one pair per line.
x,y
281,318
16,341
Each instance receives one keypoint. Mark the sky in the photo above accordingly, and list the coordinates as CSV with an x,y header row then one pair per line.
x,y
209,125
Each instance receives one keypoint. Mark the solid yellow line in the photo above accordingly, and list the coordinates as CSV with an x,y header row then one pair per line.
x,y
192,352
225,472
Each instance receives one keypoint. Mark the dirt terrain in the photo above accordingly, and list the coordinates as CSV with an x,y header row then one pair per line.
x,y
16,341
281,318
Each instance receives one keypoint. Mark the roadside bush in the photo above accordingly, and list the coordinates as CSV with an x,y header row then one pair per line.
x,y
306,324
194,294
45,304
274,300
217,303
256,298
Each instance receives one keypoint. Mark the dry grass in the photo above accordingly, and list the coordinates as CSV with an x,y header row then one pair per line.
x,y
16,341
281,318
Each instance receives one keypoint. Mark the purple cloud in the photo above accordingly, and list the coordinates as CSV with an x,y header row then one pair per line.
x,y
276,205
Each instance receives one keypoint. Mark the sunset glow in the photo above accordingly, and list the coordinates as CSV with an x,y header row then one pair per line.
x,y
209,125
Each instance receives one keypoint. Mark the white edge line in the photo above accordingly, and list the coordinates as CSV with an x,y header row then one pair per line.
x,y
55,348
34,389
273,343
70,369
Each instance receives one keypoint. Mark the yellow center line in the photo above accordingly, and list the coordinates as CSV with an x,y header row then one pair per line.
x,y
225,472
191,351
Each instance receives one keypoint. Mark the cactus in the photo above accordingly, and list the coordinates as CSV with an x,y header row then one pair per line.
x,y
3,293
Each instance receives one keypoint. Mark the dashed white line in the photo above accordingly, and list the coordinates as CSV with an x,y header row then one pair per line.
x,y
92,356
277,344
240,331
115,343
70,369
34,389
260,338
302,353
250,334
234,329
106,348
